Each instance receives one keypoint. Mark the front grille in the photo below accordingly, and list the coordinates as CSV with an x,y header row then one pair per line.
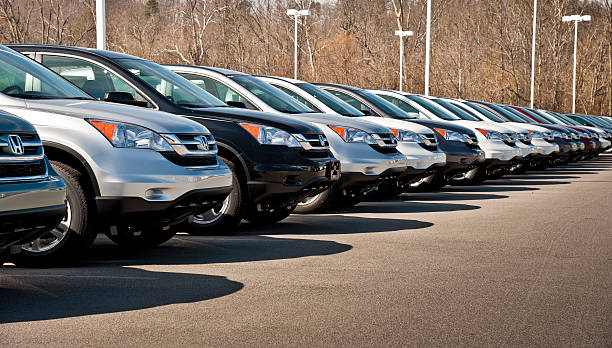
x,y
312,141
192,144
385,150
510,138
385,139
316,154
190,161
429,141
32,147
22,169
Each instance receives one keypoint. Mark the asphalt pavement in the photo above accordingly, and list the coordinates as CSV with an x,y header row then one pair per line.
x,y
521,261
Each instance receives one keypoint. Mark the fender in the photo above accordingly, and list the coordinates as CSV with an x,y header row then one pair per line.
x,y
81,159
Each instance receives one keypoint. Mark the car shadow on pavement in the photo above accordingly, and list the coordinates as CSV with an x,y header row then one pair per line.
x,y
36,294
109,280
449,196
337,224
188,250
485,188
541,176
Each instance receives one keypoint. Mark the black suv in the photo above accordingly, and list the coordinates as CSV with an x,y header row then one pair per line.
x,y
32,195
276,161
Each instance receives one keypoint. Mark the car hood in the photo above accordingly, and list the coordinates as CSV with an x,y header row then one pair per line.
x,y
158,121
483,125
11,123
445,125
398,124
526,126
285,122
343,121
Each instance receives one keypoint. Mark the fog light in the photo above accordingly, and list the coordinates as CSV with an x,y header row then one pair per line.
x,y
154,194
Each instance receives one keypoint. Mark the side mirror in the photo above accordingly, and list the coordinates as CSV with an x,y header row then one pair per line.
x,y
123,98
366,112
236,104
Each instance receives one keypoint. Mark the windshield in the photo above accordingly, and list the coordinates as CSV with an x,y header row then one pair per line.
x,y
459,112
517,113
274,97
331,101
173,86
24,78
384,105
505,114
434,108
537,117
565,119
486,113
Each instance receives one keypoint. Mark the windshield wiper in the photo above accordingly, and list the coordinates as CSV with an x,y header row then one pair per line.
x,y
76,98
189,105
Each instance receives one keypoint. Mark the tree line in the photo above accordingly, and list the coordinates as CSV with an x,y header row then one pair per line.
x,y
481,49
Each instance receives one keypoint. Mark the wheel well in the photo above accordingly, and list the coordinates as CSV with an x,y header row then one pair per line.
x,y
232,156
60,155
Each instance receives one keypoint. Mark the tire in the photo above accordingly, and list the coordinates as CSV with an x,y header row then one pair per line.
x,y
436,182
318,203
74,235
267,218
471,178
226,218
134,239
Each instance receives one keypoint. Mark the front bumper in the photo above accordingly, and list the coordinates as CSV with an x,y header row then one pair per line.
x,y
544,147
148,175
498,150
277,185
421,158
142,212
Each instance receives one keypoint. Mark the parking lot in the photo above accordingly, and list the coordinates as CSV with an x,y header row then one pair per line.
x,y
525,260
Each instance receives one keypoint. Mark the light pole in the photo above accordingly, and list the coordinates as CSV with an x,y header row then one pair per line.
x,y
575,19
533,47
427,46
401,34
101,24
296,13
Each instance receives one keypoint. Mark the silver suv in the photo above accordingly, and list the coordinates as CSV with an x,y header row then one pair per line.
x,y
32,195
131,173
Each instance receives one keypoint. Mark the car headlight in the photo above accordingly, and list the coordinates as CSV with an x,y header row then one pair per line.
x,y
126,135
451,135
353,135
406,136
537,134
557,134
490,134
270,135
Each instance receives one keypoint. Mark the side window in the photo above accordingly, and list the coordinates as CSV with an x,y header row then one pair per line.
x,y
352,101
400,104
297,97
91,78
219,90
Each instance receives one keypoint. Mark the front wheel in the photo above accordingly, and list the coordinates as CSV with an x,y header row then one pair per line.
x,y
317,203
224,218
74,234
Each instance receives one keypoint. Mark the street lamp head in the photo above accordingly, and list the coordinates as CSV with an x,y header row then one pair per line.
x,y
294,12
403,33
576,18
